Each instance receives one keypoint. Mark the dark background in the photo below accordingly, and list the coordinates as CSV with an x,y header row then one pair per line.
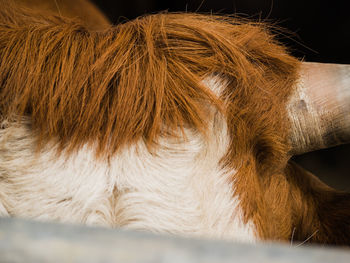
x,y
318,31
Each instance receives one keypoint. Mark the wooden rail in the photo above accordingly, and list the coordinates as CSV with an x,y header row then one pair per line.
x,y
29,241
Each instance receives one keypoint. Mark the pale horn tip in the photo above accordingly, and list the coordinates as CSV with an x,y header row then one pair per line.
x,y
319,109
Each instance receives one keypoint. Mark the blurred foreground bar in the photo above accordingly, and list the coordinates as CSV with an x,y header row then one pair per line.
x,y
28,241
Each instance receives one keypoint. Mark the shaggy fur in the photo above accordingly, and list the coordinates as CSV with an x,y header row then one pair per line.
x,y
131,80
182,189
85,10
104,93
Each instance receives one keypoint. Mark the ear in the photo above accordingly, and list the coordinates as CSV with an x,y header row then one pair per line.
x,y
323,213
334,213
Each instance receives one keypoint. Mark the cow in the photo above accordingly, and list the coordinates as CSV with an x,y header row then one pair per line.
x,y
175,123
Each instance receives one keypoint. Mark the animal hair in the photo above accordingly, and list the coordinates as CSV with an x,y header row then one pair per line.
x,y
133,81
115,86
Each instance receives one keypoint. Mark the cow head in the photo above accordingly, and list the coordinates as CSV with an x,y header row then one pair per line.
x,y
150,80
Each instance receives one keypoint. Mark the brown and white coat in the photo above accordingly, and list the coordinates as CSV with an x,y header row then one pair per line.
x,y
179,123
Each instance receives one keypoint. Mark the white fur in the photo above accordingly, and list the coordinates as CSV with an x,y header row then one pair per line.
x,y
179,187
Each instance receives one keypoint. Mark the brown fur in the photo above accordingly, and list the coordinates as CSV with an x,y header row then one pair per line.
x,y
82,9
140,79
319,209
128,82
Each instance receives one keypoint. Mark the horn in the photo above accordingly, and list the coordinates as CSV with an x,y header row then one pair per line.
x,y
319,110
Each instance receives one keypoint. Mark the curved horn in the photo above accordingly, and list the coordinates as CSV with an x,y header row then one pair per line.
x,y
319,110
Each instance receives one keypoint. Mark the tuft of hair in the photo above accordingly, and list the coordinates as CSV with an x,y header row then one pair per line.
x,y
133,81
